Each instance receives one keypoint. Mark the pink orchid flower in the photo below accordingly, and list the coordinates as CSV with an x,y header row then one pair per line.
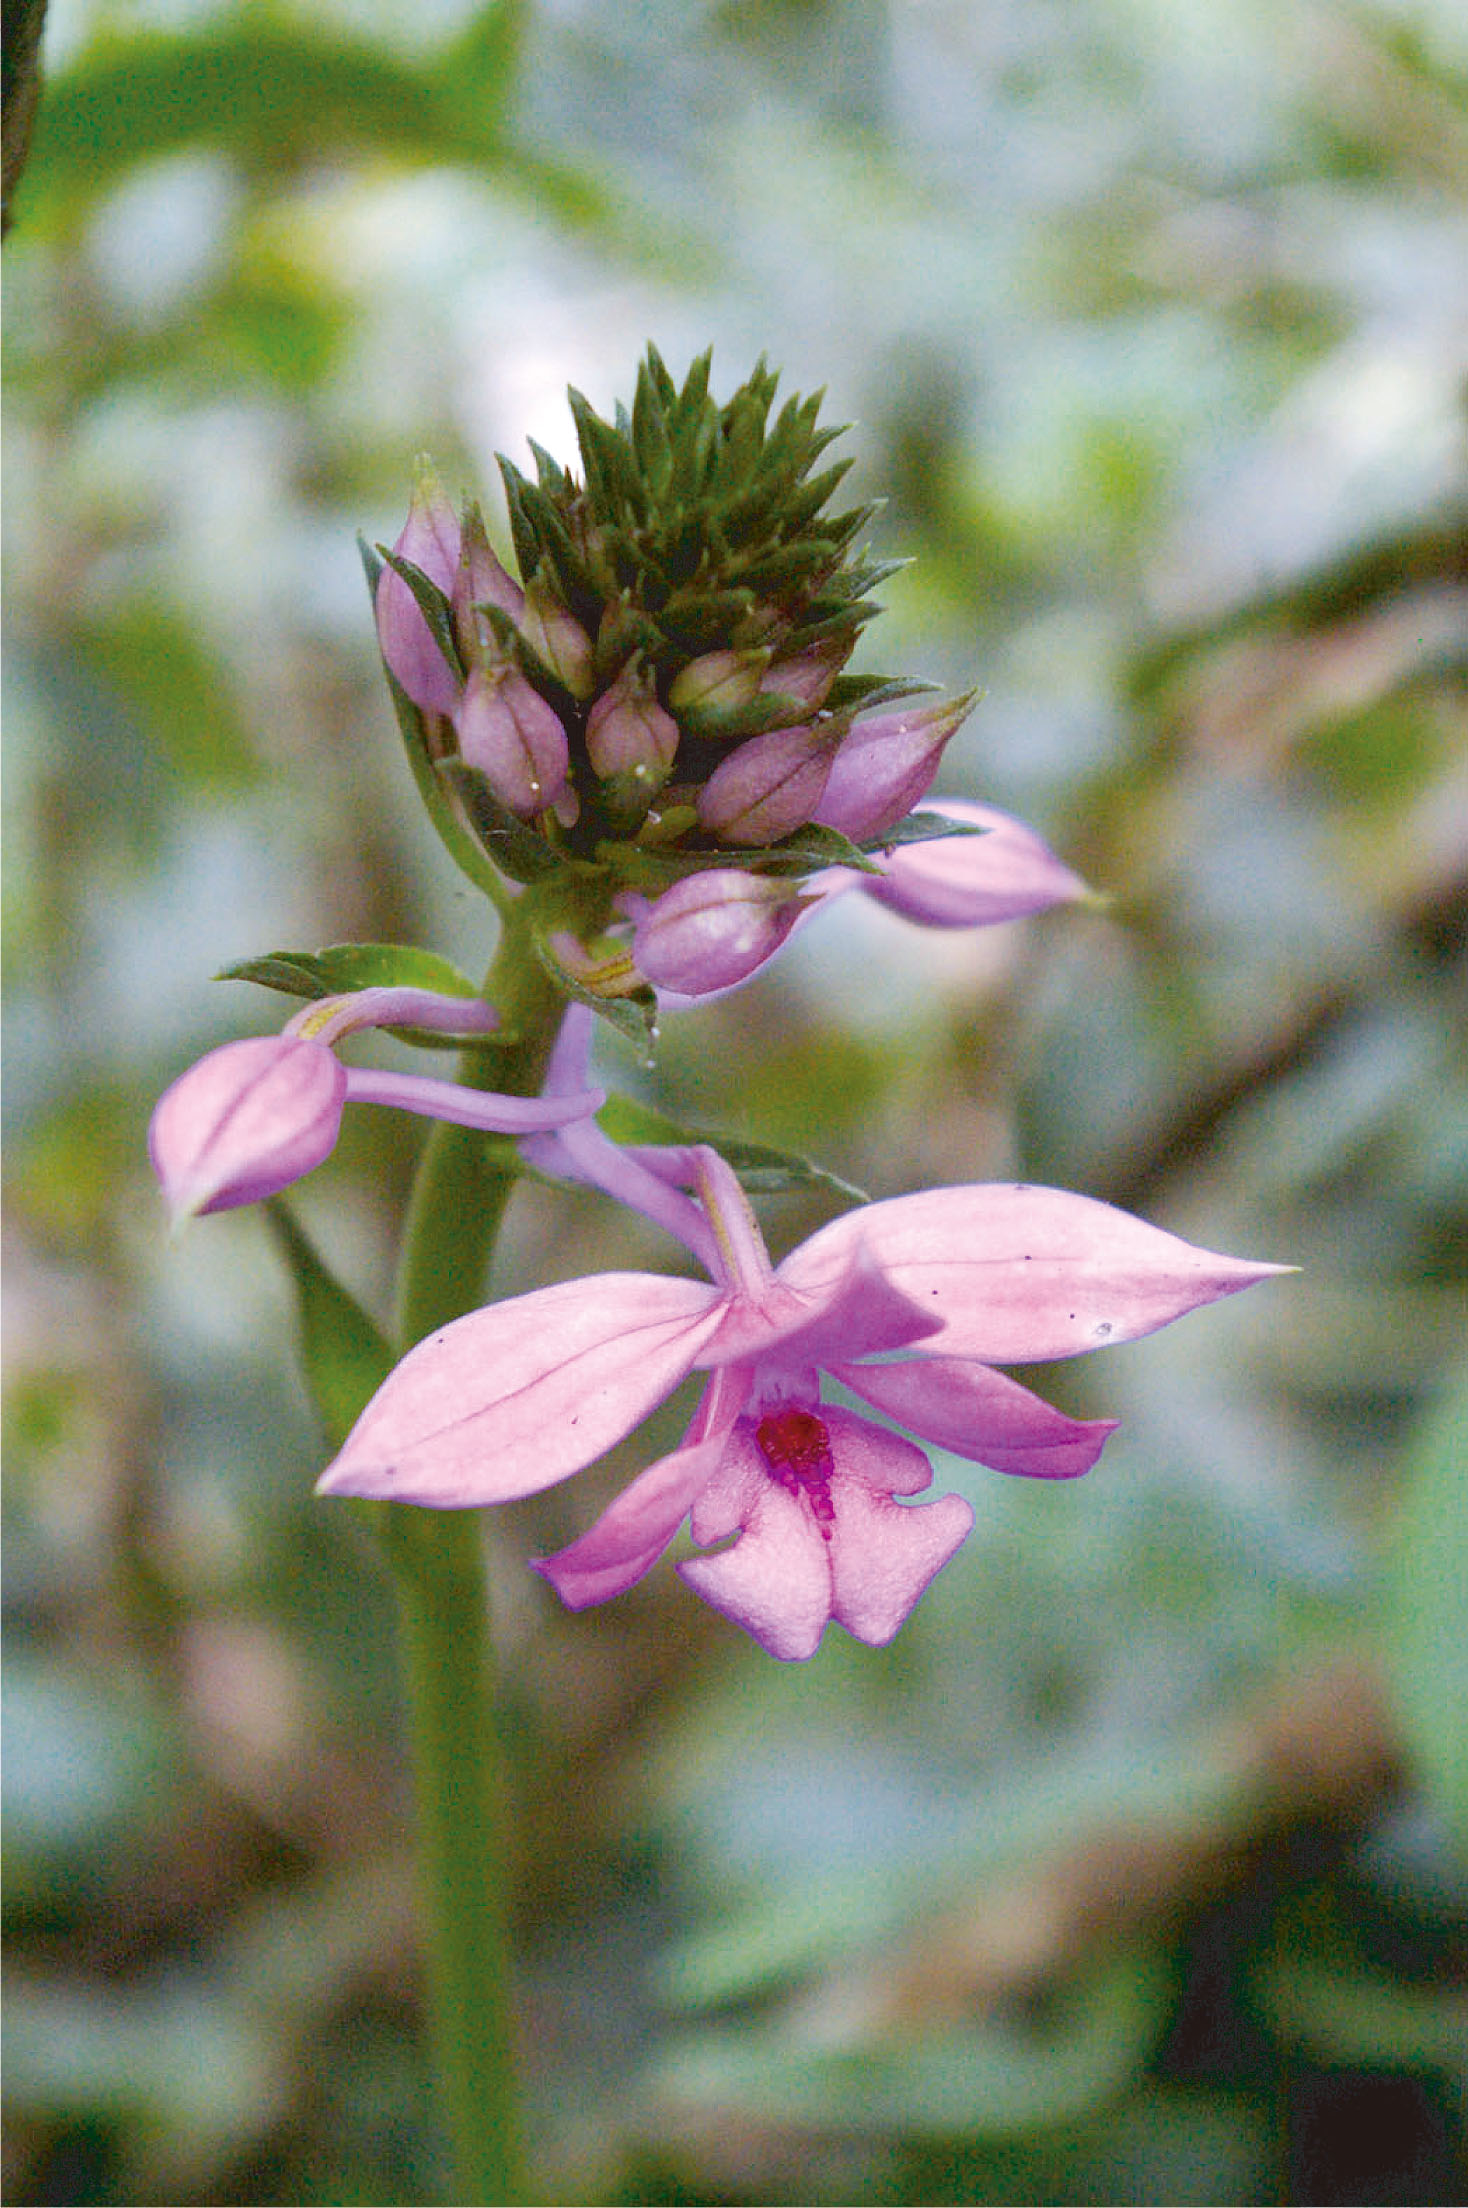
x,y
514,1398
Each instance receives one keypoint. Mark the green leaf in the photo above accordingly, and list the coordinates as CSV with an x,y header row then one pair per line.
x,y
761,1169
275,92
923,828
344,968
515,849
1427,1587
863,693
345,1355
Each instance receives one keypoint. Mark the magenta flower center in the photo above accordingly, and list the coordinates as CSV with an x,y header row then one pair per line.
x,y
797,1448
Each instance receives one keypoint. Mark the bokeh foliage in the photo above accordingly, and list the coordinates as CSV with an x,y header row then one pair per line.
x,y
1134,1870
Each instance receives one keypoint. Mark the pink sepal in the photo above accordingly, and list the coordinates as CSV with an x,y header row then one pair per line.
x,y
521,1394
1020,1275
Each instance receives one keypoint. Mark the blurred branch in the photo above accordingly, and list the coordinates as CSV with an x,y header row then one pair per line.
x,y
23,23
1324,1753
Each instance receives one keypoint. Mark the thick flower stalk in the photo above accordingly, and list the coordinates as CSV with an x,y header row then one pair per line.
x,y
511,1399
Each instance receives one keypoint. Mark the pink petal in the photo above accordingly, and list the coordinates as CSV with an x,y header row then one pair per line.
x,y
247,1120
959,1404
515,738
776,1579
783,1580
632,1532
857,1313
515,1397
883,1557
1020,1275
973,881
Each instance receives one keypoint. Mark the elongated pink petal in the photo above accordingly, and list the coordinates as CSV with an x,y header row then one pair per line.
x,y
958,1404
515,1397
246,1121
632,1533
972,881
1019,1275
466,1107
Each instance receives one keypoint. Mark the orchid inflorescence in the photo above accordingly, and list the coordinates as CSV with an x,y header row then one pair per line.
x,y
647,753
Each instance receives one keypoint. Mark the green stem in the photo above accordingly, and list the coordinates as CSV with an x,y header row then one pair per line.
x,y
458,1204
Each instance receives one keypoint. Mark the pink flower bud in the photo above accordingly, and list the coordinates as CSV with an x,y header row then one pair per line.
x,y
767,787
719,680
711,930
558,640
883,767
807,677
246,1121
479,580
507,730
430,539
628,734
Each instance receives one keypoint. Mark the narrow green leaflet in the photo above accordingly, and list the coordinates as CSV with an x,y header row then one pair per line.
x,y
343,968
634,1015
924,828
431,603
515,849
761,1169
344,1353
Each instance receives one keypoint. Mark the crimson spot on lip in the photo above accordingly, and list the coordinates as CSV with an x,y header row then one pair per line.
x,y
797,1448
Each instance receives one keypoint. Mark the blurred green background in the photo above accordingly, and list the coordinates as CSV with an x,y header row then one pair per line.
x,y
1134,1870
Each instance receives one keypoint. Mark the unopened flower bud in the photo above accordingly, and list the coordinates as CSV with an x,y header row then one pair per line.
x,y
558,640
768,787
884,765
711,930
245,1122
507,730
719,680
631,739
479,580
805,678
430,539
